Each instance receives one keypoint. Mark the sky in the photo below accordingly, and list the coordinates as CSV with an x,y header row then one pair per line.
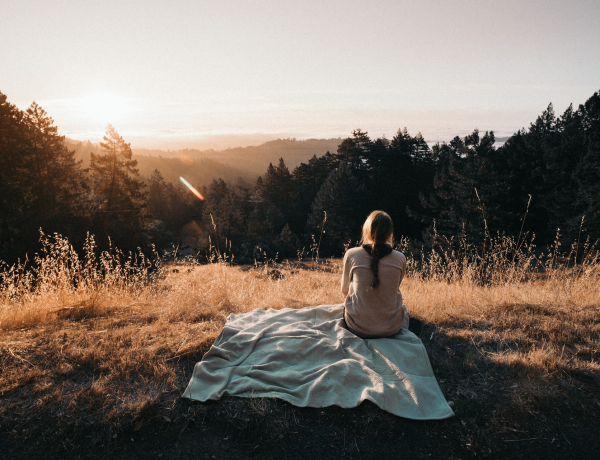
x,y
199,73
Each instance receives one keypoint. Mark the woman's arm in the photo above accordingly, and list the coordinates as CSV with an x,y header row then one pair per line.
x,y
346,275
403,269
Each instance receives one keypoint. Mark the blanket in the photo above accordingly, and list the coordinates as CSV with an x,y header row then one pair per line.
x,y
307,357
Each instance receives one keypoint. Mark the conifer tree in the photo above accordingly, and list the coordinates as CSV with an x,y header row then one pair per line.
x,y
356,151
289,243
587,170
276,186
521,166
462,199
57,182
343,199
228,211
12,180
118,192
157,196
308,179
41,184
556,162
402,169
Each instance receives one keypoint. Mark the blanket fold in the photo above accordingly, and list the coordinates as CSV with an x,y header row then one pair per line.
x,y
307,358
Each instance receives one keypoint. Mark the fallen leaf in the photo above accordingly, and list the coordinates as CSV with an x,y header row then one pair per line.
x,y
138,425
167,419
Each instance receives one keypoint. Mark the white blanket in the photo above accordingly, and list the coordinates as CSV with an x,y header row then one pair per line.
x,y
306,357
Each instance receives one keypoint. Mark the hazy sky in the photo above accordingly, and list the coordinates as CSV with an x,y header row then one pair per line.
x,y
170,73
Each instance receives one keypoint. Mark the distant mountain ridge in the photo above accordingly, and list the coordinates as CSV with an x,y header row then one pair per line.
x,y
255,159
240,165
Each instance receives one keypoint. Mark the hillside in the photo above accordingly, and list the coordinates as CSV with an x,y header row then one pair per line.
x,y
202,166
96,369
254,159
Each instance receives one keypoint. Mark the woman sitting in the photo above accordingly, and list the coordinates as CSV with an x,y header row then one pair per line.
x,y
371,277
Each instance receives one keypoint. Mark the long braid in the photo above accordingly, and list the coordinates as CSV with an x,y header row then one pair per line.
x,y
377,231
375,265
377,251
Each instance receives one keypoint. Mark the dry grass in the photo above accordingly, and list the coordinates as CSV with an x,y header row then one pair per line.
x,y
106,344
548,323
121,347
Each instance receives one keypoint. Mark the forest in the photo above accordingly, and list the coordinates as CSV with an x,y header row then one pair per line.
x,y
543,183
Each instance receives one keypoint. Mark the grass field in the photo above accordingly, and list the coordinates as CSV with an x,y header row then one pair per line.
x,y
95,353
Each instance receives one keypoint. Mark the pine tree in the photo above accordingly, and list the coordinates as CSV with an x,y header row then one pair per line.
x,y
356,152
118,192
289,243
308,179
41,184
587,170
58,185
343,199
157,196
401,170
12,181
276,186
548,162
464,186
229,213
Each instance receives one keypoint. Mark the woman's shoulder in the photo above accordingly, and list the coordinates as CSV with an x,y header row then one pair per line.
x,y
398,255
354,252
357,254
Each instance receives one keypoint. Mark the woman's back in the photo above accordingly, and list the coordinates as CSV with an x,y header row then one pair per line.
x,y
373,311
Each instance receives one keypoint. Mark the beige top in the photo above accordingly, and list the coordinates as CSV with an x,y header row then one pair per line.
x,y
373,311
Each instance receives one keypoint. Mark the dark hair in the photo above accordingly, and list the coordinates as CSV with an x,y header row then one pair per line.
x,y
377,236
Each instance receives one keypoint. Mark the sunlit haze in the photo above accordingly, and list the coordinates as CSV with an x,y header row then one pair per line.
x,y
178,74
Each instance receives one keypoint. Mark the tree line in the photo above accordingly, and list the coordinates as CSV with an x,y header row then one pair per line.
x,y
42,186
543,178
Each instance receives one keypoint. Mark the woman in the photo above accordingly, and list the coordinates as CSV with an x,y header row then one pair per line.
x,y
371,277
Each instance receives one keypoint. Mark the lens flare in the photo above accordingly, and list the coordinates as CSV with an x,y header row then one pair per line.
x,y
191,187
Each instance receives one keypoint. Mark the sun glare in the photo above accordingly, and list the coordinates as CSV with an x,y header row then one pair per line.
x,y
103,107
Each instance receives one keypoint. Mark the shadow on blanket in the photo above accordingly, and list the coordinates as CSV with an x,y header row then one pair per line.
x,y
307,358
